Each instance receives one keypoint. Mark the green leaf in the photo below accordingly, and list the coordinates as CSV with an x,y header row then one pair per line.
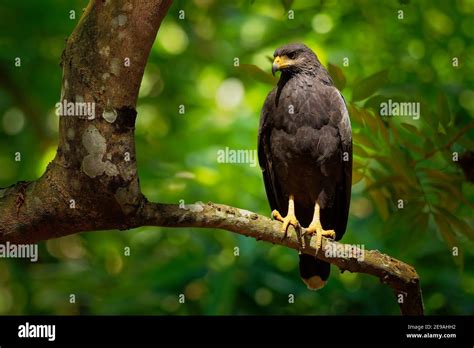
x,y
395,134
358,165
441,129
383,128
337,76
463,227
361,139
368,86
380,201
371,120
460,226
258,74
357,176
359,151
449,237
436,175
448,193
413,147
381,204
355,114
384,182
444,114
411,128
374,103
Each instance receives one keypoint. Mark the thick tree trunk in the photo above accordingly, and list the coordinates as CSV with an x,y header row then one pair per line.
x,y
92,182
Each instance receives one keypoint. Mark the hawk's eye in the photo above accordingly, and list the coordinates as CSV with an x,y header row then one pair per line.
x,y
291,55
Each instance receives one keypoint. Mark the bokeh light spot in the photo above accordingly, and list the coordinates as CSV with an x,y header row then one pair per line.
x,y
230,93
172,38
416,49
263,296
322,23
13,121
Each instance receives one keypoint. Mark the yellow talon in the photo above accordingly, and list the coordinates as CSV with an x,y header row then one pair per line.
x,y
289,219
316,227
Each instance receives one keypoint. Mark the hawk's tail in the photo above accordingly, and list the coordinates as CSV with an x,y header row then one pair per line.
x,y
314,272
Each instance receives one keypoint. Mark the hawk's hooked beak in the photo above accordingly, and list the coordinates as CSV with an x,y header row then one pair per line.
x,y
279,63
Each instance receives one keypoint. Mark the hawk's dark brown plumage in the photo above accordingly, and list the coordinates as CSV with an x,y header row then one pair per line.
x,y
305,147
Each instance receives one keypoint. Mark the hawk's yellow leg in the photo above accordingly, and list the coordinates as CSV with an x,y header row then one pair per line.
x,y
289,219
316,227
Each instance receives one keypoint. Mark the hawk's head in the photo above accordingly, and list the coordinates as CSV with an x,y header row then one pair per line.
x,y
294,58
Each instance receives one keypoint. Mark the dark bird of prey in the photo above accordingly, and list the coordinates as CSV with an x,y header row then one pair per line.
x,y
305,153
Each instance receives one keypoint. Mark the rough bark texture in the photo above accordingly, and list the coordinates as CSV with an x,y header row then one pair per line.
x,y
402,278
95,168
92,183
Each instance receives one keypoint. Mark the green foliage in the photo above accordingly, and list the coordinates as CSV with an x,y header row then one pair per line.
x,y
258,74
192,64
369,85
337,76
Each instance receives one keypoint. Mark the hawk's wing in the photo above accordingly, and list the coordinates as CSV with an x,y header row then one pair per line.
x,y
272,186
343,194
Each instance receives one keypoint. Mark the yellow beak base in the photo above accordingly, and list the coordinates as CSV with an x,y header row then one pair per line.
x,y
279,63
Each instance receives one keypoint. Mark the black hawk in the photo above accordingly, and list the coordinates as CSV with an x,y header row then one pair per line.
x,y
305,153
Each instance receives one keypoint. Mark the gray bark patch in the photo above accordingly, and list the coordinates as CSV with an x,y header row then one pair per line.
x,y
96,146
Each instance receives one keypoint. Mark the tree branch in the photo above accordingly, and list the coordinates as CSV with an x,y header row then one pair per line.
x,y
92,184
402,278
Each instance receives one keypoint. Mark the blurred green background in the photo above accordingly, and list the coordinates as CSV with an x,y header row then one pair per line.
x,y
394,55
